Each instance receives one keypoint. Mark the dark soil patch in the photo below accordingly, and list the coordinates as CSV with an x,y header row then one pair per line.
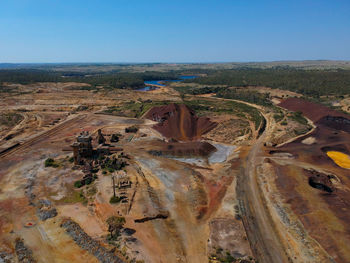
x,y
188,149
336,123
320,181
311,110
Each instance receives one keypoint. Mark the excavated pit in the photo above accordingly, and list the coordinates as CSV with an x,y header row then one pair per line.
x,y
321,182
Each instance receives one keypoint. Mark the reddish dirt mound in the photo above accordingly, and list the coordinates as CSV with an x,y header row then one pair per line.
x,y
179,122
311,110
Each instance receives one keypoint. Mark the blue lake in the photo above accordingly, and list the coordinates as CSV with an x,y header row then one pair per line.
x,y
159,82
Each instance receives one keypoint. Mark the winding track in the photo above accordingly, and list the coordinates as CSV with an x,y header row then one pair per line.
x,y
264,240
39,138
263,237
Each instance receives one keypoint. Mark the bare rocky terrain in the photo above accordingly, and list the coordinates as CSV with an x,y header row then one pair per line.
x,y
223,181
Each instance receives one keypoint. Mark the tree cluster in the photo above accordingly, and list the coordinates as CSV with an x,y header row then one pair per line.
x,y
308,82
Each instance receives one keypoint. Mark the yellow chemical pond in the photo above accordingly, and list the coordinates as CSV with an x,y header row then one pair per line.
x,y
341,159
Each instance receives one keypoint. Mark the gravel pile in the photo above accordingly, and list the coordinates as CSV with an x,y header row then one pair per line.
x,y
6,257
45,210
86,242
24,254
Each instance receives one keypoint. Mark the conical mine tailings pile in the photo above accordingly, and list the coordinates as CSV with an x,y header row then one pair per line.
x,y
179,122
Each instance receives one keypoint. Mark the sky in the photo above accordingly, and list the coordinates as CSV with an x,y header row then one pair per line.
x,y
51,31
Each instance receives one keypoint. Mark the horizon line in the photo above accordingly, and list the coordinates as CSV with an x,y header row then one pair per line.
x,y
202,62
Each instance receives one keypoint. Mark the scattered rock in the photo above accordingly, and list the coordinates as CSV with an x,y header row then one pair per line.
x,y
45,210
86,242
24,254
6,257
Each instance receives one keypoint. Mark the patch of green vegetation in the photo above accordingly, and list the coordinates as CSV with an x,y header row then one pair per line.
x,y
91,191
49,162
278,117
114,164
313,83
112,80
245,95
298,117
78,184
302,130
115,225
87,180
10,119
75,197
110,169
278,114
132,129
187,89
114,200
203,106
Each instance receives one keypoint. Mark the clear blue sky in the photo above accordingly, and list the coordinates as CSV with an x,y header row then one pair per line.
x,y
173,30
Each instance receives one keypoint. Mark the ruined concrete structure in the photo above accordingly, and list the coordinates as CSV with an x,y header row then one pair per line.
x,y
82,147
100,138
123,181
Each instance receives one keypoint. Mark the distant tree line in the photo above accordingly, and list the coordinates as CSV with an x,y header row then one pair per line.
x,y
312,83
229,93
112,80
308,82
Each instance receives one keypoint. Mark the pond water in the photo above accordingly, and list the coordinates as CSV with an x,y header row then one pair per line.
x,y
160,82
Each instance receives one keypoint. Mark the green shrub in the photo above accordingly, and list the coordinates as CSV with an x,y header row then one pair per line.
x,y
95,170
278,117
88,180
49,162
78,184
114,200
132,129
298,117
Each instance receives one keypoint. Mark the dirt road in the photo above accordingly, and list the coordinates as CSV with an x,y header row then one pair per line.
x,y
43,136
263,237
259,226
